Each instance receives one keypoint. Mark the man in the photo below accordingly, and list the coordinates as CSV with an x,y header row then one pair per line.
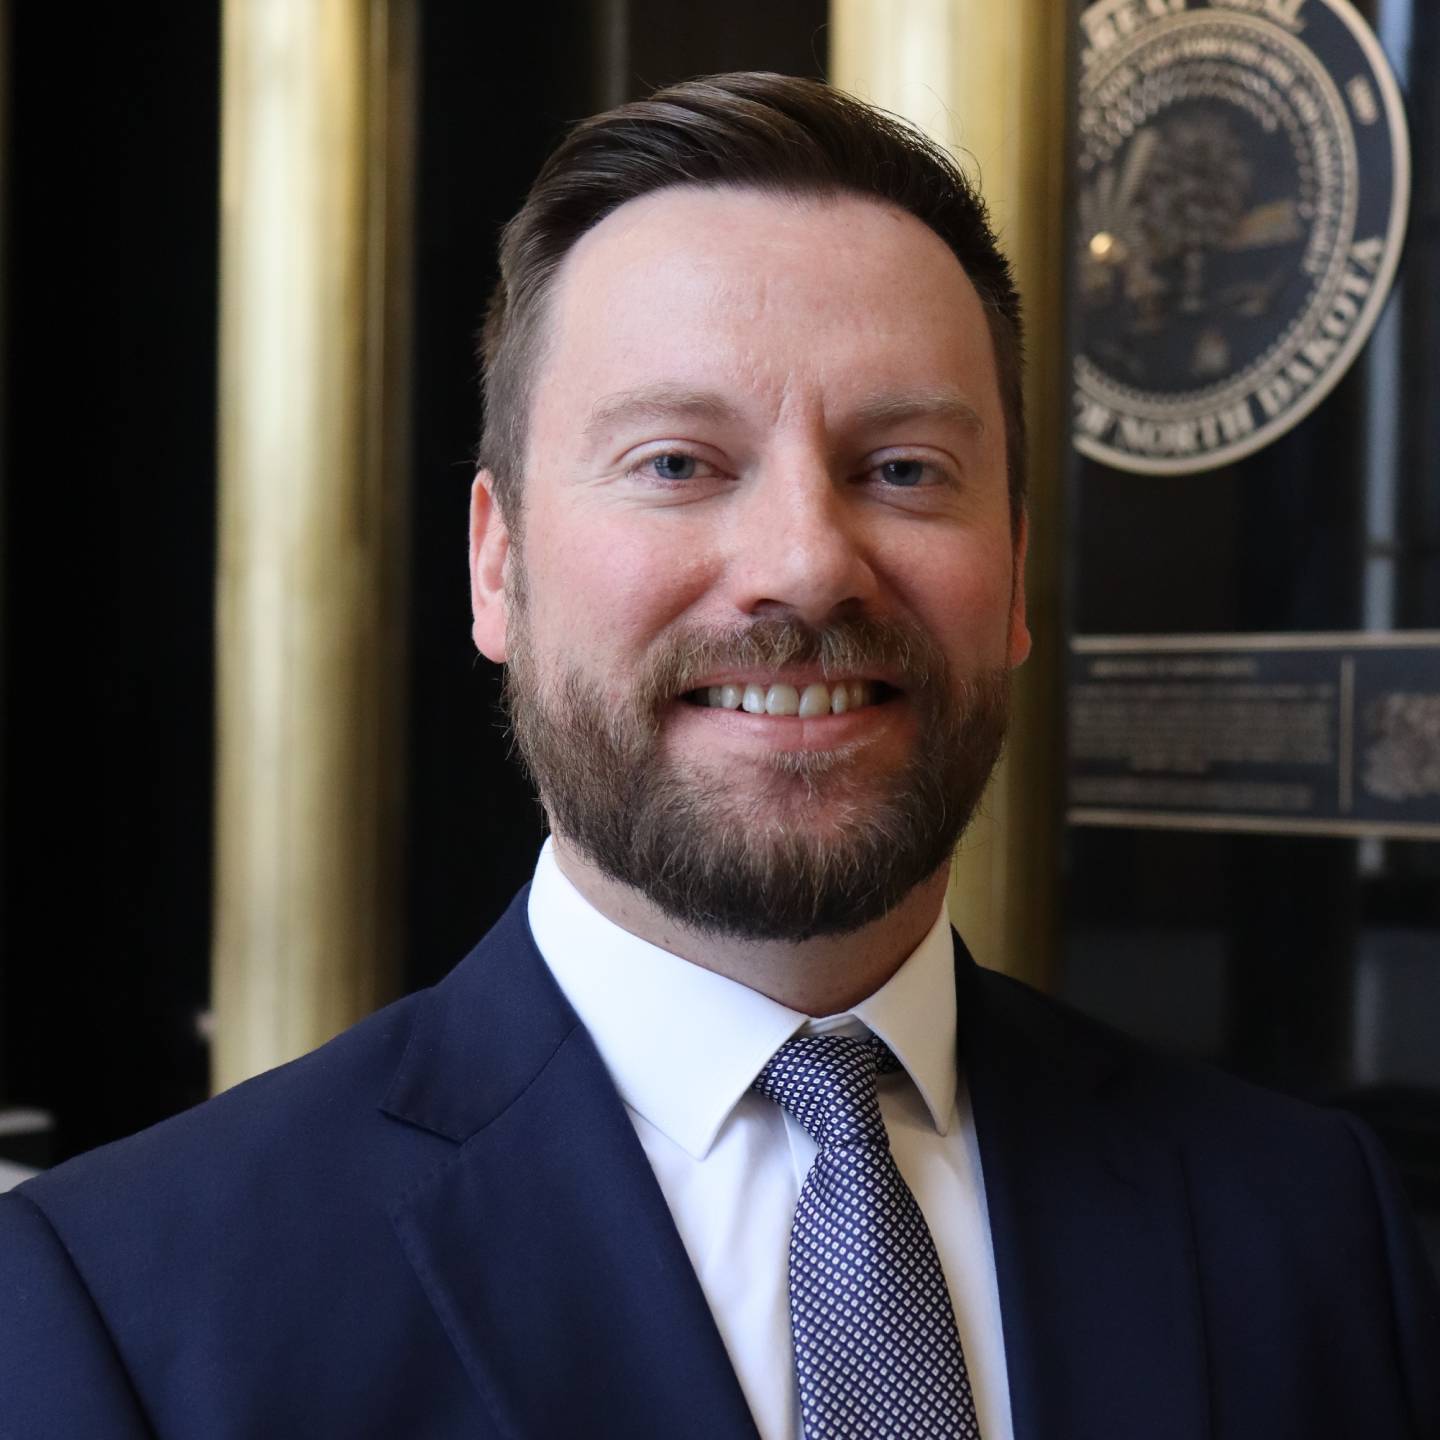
x,y
749,539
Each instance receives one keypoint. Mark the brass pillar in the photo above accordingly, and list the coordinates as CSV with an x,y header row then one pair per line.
x,y
990,79
317,119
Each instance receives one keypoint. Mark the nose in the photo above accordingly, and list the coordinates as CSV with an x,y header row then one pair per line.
x,y
798,546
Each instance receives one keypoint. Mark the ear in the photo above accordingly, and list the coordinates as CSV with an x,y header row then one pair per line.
x,y
489,552
1019,630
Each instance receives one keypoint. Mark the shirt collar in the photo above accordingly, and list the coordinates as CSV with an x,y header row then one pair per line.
x,y
683,1044
913,1012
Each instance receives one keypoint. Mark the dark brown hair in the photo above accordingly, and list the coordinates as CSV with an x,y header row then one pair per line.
x,y
766,132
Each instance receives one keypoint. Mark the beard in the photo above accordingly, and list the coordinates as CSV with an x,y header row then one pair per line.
x,y
763,867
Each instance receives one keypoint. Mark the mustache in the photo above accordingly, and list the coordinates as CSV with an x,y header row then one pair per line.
x,y
684,658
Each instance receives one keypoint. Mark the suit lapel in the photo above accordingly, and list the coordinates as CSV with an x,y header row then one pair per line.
x,y
1094,1252
544,1242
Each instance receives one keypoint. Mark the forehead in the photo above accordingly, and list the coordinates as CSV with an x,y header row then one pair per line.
x,y
780,300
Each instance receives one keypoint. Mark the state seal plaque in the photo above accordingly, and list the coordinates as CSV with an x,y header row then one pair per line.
x,y
1244,175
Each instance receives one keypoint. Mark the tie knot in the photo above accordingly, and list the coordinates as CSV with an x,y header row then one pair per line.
x,y
827,1083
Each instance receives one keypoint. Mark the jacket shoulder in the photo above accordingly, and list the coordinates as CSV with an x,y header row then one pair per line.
x,y
278,1124
1295,1224
237,1269
1183,1097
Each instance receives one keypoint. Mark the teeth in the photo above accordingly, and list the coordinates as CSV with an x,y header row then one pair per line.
x,y
724,697
815,701
780,699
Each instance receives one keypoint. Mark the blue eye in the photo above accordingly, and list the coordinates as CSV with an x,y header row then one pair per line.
x,y
673,466
902,472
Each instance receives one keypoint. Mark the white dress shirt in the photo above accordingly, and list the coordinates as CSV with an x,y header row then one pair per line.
x,y
683,1044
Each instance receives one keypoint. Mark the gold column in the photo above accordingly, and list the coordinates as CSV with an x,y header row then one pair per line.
x,y
317,119
989,77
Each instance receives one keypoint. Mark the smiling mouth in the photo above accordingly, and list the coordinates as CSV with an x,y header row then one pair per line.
x,y
804,701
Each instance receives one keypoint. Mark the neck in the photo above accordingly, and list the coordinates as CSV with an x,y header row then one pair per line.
x,y
823,976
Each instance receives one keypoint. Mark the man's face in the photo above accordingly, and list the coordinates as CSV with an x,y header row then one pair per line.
x,y
766,461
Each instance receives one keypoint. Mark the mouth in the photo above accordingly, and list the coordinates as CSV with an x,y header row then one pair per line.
x,y
804,702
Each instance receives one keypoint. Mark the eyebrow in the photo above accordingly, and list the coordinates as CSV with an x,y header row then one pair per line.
x,y
947,406
656,402
665,401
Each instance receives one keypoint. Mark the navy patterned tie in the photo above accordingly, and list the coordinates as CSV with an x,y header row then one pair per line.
x,y
876,1350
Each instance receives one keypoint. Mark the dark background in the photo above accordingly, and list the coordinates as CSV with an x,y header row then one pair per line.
x,y
1310,964
109,495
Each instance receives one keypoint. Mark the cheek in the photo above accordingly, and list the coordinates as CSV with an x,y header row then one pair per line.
x,y
965,602
608,590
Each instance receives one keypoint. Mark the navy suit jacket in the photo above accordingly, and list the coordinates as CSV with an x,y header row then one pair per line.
x,y
442,1224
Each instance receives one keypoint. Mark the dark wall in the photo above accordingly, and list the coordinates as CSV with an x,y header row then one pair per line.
x,y
660,42
1308,963
491,106
107,569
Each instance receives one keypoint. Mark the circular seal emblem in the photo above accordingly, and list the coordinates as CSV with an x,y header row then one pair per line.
x,y
1244,175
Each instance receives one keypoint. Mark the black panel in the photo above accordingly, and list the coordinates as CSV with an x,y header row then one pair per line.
x,y
1310,963
109,561
669,42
